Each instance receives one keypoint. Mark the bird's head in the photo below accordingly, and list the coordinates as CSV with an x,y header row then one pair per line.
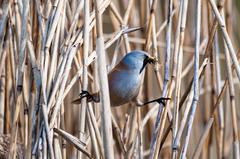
x,y
138,60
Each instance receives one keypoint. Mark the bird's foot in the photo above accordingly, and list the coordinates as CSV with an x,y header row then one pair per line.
x,y
90,97
84,94
161,100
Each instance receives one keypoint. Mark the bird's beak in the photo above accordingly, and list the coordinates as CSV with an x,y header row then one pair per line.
x,y
148,59
152,60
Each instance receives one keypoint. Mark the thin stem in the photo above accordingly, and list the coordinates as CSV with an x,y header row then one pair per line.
x,y
195,81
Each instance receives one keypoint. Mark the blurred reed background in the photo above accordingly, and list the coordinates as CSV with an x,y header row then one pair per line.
x,y
48,55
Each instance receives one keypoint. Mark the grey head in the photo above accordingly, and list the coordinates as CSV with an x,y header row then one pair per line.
x,y
137,60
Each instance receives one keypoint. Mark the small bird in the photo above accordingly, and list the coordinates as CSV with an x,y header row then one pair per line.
x,y
125,80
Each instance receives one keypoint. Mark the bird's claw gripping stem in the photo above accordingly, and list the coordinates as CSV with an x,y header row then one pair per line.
x,y
90,97
160,100
84,94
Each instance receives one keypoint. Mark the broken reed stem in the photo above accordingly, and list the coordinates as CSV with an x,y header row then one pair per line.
x,y
77,143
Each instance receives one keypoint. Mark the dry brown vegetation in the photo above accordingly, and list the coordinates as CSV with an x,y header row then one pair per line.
x,y
48,55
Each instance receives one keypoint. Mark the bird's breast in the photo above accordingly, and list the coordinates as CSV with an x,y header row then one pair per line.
x,y
123,86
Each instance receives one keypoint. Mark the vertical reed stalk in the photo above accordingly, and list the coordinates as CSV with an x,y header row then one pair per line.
x,y
104,91
195,81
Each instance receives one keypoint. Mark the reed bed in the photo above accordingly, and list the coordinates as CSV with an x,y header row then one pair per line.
x,y
52,50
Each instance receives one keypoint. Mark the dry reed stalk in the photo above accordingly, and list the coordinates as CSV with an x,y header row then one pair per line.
x,y
189,94
213,69
125,20
195,81
177,68
77,143
154,146
3,78
105,100
3,25
232,103
203,138
52,65
220,110
96,129
82,110
149,26
119,137
209,44
209,123
155,53
21,57
117,15
75,41
154,43
226,37
93,138
232,100
130,134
